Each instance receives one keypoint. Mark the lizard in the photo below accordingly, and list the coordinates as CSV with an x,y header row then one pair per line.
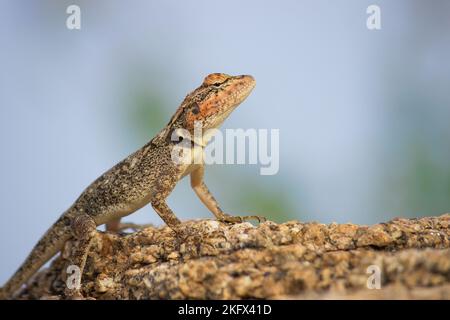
x,y
146,176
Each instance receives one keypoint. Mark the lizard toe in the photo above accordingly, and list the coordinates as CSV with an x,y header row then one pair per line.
x,y
230,219
238,219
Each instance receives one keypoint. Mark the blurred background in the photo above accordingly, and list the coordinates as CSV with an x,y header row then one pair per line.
x,y
363,115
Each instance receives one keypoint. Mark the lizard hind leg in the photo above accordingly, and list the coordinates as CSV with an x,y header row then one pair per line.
x,y
83,229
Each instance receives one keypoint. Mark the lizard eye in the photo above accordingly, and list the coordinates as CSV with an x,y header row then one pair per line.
x,y
195,109
215,79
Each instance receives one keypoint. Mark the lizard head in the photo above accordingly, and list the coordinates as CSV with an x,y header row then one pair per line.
x,y
210,104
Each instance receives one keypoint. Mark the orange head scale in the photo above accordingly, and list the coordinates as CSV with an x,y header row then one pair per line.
x,y
210,104
215,99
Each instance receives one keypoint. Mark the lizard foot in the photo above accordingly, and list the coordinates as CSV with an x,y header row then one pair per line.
x,y
238,219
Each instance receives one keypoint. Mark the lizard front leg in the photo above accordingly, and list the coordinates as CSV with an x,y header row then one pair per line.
x,y
83,229
166,214
211,203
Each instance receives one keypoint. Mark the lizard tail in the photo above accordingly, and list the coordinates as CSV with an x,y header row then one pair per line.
x,y
50,243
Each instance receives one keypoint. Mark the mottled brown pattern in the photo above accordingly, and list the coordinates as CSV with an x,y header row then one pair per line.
x,y
146,176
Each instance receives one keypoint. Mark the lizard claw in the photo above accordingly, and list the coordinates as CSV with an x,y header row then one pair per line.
x,y
238,219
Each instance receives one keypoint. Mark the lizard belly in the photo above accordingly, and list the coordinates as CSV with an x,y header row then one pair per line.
x,y
121,210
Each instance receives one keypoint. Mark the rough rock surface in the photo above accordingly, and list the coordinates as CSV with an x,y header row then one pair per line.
x,y
292,260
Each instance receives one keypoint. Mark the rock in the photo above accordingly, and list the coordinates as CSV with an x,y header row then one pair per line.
x,y
292,260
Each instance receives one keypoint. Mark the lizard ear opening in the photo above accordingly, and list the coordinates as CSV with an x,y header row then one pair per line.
x,y
168,135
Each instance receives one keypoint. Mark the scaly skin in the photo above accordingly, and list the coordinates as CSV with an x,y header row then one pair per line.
x,y
146,176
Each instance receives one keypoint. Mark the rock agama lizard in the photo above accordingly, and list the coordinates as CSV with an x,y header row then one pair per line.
x,y
146,176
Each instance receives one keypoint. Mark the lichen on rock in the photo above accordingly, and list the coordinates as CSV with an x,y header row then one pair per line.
x,y
292,260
